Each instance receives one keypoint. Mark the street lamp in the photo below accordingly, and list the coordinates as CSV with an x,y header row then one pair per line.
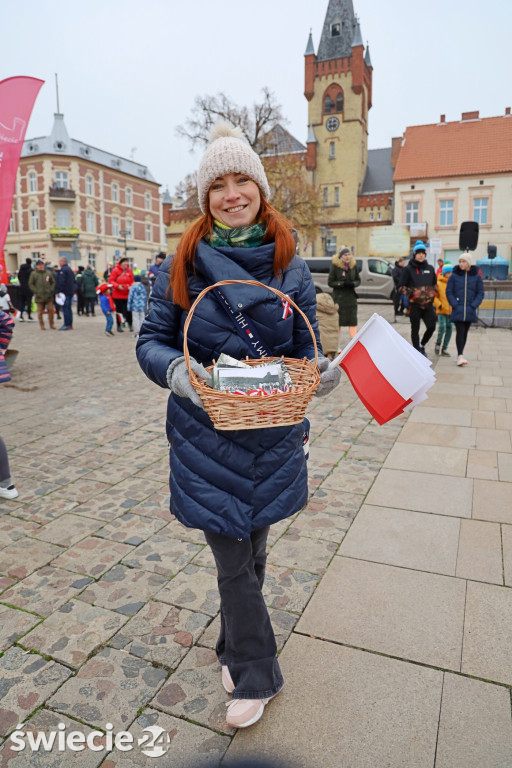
x,y
122,239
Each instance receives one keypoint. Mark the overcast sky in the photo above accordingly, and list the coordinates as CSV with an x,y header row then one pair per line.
x,y
129,69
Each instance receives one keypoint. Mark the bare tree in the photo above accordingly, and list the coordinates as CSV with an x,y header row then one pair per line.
x,y
254,122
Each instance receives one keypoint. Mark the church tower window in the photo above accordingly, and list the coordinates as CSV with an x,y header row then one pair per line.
x,y
339,102
336,29
329,105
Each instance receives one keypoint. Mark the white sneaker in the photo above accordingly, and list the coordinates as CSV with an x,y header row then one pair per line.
x,y
8,493
461,360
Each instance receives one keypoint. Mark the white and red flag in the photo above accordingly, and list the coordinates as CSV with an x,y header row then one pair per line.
x,y
17,97
387,373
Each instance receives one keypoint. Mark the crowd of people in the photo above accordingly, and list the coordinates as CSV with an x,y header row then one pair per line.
x,y
51,291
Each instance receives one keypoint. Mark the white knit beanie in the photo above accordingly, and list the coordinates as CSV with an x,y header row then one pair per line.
x,y
467,257
228,152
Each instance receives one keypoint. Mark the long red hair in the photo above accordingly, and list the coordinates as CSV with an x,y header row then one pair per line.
x,y
279,231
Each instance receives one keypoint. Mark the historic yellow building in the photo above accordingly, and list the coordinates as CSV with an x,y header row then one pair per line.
x,y
356,185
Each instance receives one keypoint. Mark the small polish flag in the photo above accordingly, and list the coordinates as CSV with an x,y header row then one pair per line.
x,y
387,373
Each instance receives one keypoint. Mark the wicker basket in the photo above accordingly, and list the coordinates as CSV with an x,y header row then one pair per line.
x,y
230,411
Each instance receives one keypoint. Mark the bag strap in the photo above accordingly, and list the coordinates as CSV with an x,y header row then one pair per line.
x,y
242,327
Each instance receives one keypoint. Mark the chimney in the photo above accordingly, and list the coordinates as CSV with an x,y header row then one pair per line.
x,y
507,111
442,119
470,116
396,144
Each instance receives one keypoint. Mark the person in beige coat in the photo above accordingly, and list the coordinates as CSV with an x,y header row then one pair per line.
x,y
327,316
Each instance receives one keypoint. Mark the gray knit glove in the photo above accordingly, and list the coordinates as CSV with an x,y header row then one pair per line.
x,y
179,380
329,380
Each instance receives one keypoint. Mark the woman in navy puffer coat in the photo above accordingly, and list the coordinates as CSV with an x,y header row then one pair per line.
x,y
233,484
465,292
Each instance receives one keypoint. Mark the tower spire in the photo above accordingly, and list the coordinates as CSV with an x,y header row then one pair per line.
x,y
338,31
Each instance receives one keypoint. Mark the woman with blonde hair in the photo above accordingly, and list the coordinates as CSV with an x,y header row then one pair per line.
x,y
344,279
233,484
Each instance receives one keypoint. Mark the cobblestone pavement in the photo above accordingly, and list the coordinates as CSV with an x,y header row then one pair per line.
x,y
108,605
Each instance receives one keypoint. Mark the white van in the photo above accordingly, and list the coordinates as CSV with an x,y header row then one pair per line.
x,y
376,276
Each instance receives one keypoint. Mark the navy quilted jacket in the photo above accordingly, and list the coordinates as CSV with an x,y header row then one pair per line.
x,y
230,482
465,292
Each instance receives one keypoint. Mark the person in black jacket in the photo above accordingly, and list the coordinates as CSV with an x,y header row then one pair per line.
x,y
66,284
25,292
398,297
419,283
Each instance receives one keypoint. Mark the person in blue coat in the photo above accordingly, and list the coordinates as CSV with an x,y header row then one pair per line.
x,y
233,484
465,293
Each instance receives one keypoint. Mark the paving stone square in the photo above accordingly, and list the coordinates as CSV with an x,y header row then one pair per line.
x,y
12,529
13,624
92,556
26,681
73,632
25,556
81,490
487,649
190,745
194,691
194,588
123,589
160,633
293,551
103,509
156,505
67,529
44,510
288,589
43,591
131,529
162,555
110,687
47,723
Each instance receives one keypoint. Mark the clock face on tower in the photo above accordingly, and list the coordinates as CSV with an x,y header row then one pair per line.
x,y
332,124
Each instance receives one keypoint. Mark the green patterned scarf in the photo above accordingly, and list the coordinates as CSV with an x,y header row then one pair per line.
x,y
237,237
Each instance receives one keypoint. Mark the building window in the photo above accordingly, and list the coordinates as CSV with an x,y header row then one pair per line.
x,y
148,233
335,29
481,209
149,263
332,150
446,213
91,257
128,196
336,195
339,102
326,196
11,224
90,222
114,192
115,226
147,201
129,229
329,105
61,180
63,217
412,213
88,186
378,216
32,182
34,221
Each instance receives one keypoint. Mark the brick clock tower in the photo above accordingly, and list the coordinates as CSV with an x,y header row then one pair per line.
x,y
338,87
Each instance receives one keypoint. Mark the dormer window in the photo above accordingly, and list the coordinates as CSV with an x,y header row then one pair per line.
x,y
336,29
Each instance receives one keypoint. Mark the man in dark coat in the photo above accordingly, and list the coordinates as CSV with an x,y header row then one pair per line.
x,y
25,292
419,283
66,285
398,297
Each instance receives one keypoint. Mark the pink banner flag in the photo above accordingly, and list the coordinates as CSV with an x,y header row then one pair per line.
x,y
17,97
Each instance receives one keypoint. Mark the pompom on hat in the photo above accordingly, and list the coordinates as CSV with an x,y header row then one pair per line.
x,y
228,152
